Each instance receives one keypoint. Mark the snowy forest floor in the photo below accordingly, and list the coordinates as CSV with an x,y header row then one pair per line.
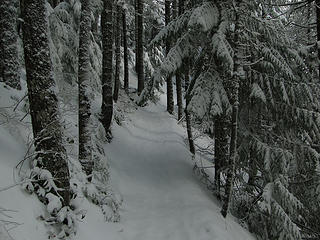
x,y
151,168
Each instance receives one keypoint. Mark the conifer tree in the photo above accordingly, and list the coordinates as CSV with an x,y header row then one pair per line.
x,y
175,13
107,56
136,34
278,90
84,76
125,52
117,43
170,101
140,64
234,101
9,64
50,153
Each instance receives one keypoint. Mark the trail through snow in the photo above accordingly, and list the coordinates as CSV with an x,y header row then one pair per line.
x,y
152,169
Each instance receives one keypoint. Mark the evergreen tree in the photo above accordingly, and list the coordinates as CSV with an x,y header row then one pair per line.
x,y
125,52
176,13
140,56
234,101
85,145
207,30
9,64
107,56
117,43
170,101
50,163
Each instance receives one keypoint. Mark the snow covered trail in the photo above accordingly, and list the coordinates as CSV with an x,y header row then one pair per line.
x,y
152,169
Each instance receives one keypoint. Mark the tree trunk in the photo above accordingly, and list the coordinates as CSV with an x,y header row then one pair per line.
x,y
51,154
117,40
125,53
136,33
140,66
221,149
175,13
234,100
9,64
84,76
188,117
95,26
189,130
318,31
186,75
179,94
170,102
107,56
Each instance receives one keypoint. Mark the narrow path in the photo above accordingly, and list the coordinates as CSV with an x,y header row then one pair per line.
x,y
152,169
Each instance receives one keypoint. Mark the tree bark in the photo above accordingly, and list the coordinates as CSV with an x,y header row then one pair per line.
x,y
125,53
186,75
170,102
179,94
107,56
117,40
84,76
318,31
140,66
51,154
234,100
95,26
176,12
189,130
187,114
9,64
221,149
136,33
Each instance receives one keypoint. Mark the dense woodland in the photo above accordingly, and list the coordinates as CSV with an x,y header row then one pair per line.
x,y
245,73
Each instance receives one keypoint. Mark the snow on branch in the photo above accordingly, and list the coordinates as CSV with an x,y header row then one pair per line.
x,y
178,24
206,16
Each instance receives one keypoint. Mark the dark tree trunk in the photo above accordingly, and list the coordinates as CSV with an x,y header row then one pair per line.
x,y
179,94
178,75
95,26
170,102
51,154
234,100
189,132
107,56
221,148
85,146
9,64
188,117
136,33
186,75
318,29
117,40
125,53
140,66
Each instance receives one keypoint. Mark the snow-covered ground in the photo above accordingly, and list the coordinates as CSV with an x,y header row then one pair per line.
x,y
151,169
